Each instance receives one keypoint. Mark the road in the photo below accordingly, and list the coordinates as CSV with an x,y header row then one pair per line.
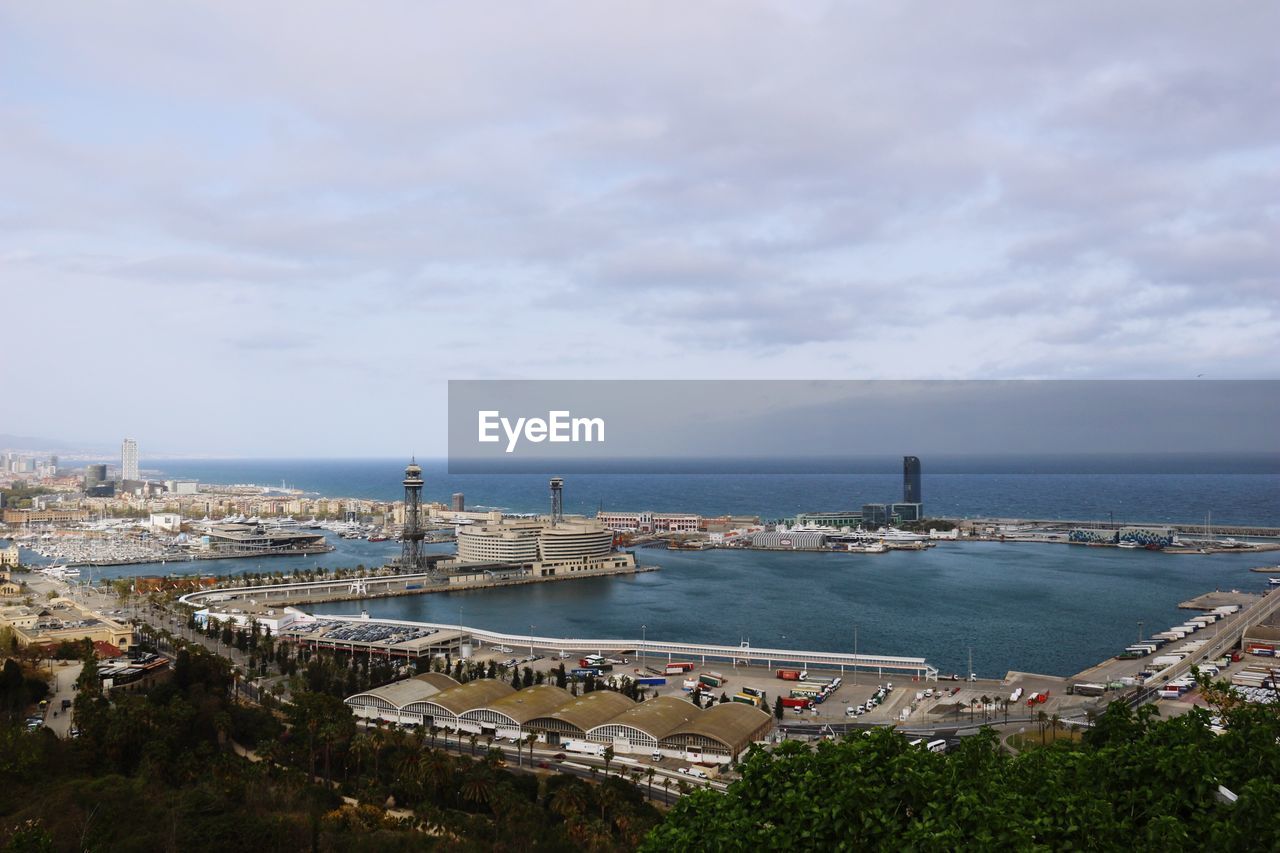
x,y
64,681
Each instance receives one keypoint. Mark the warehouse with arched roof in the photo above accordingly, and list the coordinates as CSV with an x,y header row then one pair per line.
x,y
720,733
506,717
579,716
642,726
447,707
392,702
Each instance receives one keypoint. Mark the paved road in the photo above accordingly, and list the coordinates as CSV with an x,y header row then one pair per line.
x,y
64,682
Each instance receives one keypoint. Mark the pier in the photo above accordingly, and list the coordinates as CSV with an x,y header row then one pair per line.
x,y
385,586
744,655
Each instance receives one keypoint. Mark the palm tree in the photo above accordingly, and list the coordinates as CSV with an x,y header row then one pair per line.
x,y
1042,720
362,747
477,787
570,799
435,771
986,700
650,772
473,737
608,758
529,740
1055,722
973,707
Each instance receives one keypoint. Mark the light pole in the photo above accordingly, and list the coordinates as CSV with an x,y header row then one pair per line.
x,y
643,635
1139,630
531,640
855,653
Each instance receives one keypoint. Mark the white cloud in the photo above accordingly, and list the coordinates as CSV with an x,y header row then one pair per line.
x,y
406,192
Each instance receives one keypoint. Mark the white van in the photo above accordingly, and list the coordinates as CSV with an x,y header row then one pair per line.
x,y
936,746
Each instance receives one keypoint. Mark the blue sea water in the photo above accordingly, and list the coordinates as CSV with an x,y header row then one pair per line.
x,y
1236,489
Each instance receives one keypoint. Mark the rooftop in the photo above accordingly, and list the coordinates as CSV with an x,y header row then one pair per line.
x,y
657,717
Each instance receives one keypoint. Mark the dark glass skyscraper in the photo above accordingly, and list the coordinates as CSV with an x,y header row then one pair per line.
x,y
911,480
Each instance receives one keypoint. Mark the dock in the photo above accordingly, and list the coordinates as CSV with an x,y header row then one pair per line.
x,y
382,586
1220,598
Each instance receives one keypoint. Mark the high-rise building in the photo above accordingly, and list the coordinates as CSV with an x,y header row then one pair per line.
x,y
911,480
94,475
459,503
129,460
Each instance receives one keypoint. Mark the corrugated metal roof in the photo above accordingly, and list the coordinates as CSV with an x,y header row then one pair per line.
x,y
472,695
524,705
734,724
591,709
657,717
415,689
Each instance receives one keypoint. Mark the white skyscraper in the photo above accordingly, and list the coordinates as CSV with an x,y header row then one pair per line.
x,y
129,460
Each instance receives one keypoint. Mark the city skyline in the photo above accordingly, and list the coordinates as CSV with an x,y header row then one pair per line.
x,y
772,193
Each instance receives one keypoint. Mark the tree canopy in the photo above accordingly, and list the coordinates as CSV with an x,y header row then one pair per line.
x,y
1135,781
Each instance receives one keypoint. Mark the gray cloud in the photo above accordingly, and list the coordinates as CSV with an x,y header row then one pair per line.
x,y
730,189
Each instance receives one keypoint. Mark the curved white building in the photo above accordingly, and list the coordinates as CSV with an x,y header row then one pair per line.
x,y
574,541
511,542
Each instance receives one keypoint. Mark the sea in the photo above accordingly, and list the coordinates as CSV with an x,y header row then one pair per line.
x,y
1047,608
1163,488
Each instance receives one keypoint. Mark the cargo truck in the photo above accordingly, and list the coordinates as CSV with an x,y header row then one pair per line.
x,y
712,679
801,702
583,747
791,674
651,682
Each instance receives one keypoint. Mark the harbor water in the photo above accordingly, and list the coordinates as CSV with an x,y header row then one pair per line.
x,y
1048,608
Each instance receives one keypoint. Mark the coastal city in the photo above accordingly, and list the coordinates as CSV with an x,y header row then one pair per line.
x,y
639,428
685,708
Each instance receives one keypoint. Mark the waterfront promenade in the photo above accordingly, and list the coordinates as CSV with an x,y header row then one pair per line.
x,y
700,652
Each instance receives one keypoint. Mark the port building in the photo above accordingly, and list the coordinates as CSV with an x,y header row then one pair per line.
x,y
575,718
507,716
390,702
492,708
651,522
541,547
641,727
791,541
722,731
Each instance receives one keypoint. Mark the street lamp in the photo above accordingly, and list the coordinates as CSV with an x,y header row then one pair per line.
x,y
643,629
531,627
855,653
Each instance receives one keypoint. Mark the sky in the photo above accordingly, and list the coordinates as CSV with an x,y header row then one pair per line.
x,y
235,228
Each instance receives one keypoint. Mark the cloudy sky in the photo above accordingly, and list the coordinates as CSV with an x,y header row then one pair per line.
x,y
265,229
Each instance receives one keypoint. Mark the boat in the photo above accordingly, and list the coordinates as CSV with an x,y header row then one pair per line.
x,y
377,537
1127,544
893,534
1273,581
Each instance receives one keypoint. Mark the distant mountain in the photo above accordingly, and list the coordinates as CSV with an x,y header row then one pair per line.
x,y
31,443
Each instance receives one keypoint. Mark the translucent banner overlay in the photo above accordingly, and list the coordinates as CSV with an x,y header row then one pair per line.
x,y
785,426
